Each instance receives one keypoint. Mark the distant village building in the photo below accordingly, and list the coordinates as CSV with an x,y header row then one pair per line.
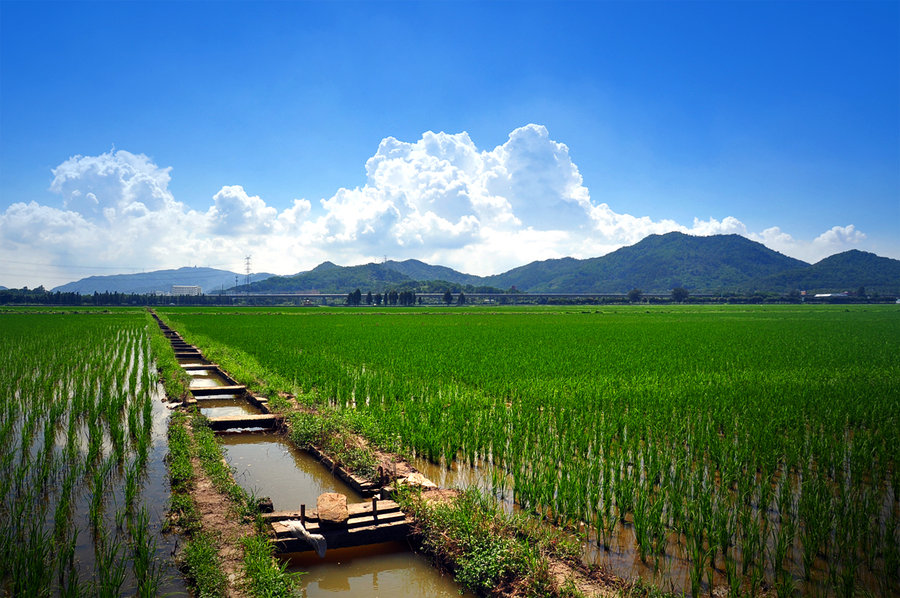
x,y
184,289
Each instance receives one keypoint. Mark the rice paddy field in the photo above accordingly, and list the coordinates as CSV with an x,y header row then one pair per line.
x,y
82,440
750,448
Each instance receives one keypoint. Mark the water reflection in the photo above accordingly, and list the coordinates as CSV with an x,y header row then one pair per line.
x,y
270,466
379,570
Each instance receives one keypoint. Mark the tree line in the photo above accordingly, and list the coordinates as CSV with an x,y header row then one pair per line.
x,y
402,298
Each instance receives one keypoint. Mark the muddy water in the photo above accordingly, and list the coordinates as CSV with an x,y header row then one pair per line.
x,y
381,570
206,379
268,465
227,407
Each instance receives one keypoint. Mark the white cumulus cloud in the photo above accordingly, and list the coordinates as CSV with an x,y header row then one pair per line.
x,y
440,199
834,240
234,211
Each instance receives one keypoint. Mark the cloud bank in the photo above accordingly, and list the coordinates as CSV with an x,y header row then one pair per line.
x,y
439,199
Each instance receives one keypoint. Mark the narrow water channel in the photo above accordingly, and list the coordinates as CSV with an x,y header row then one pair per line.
x,y
227,407
377,571
206,379
268,465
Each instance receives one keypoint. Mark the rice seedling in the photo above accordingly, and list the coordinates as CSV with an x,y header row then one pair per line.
x,y
66,433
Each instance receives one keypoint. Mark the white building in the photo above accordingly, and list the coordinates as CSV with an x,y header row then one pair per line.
x,y
184,289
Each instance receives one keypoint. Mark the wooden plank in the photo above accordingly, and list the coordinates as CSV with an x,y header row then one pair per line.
x,y
281,529
356,509
200,391
228,422
225,396
347,538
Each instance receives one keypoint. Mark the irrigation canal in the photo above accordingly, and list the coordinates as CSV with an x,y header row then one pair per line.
x,y
366,556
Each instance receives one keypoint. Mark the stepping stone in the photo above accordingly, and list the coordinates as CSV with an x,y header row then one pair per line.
x,y
331,508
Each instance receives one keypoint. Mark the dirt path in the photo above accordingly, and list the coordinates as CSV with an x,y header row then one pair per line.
x,y
218,518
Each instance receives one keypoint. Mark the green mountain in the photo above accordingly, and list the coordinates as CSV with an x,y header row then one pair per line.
x,y
418,270
330,278
210,280
845,271
656,264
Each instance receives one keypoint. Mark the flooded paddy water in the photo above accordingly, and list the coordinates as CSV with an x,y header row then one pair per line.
x,y
670,571
83,480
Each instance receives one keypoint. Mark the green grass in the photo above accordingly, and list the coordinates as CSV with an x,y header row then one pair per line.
x,y
265,576
483,547
201,558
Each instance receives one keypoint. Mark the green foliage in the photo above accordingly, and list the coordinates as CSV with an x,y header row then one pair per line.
x,y
680,294
329,278
841,272
203,566
181,473
488,550
335,434
655,264
266,577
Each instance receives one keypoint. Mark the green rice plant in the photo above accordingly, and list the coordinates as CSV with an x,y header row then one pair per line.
x,y
109,566
143,548
68,581
73,379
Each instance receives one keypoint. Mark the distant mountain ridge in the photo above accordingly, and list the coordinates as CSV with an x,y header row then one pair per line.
x,y
843,271
330,278
209,280
418,270
656,264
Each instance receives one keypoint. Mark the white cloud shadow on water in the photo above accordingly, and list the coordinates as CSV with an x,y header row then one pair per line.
x,y
439,199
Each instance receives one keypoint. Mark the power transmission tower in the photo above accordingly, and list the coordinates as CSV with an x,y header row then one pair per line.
x,y
247,263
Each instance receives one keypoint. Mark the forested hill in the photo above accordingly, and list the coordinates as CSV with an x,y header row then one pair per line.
x,y
847,271
418,270
209,280
656,264
330,278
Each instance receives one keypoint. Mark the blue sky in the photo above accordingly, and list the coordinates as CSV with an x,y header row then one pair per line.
x,y
138,136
